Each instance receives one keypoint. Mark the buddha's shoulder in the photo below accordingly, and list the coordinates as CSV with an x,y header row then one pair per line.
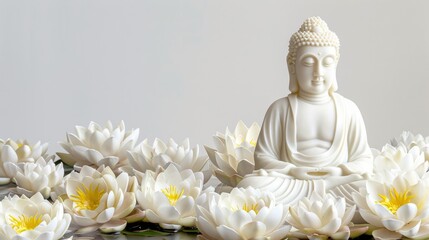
x,y
281,104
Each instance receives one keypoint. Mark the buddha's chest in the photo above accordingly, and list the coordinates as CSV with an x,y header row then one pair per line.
x,y
315,124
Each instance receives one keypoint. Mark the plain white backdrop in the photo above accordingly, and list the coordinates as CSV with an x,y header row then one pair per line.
x,y
189,68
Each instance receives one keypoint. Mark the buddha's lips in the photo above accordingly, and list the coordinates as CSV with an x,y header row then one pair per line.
x,y
317,82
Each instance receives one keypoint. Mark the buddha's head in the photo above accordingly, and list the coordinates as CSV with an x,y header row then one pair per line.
x,y
313,57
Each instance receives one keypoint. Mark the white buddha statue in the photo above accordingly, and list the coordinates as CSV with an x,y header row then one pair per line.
x,y
314,139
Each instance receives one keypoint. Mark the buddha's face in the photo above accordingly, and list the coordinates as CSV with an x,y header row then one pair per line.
x,y
315,69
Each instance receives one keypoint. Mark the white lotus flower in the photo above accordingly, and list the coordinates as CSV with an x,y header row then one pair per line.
x,y
393,161
323,217
99,199
232,158
410,140
96,146
396,208
40,176
169,198
160,155
18,152
23,218
241,214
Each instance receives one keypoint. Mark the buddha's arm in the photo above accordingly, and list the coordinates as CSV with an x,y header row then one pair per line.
x,y
268,148
360,156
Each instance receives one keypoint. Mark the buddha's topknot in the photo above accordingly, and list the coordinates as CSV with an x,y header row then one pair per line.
x,y
313,32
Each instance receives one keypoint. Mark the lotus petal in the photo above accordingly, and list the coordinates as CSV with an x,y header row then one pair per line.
x,y
135,216
280,233
112,226
407,212
245,167
239,218
384,234
342,233
382,211
105,215
411,229
185,206
207,228
187,221
392,224
332,227
311,219
253,230
228,233
8,154
423,232
274,219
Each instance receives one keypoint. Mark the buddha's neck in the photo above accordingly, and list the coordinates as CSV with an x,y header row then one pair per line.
x,y
314,98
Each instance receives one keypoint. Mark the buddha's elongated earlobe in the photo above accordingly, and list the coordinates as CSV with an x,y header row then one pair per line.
x,y
293,83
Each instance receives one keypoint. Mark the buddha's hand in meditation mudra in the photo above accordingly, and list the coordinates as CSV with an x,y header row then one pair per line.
x,y
311,173
307,173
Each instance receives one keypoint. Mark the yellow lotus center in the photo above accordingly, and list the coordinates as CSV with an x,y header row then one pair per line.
x,y
87,198
248,207
395,199
23,223
172,194
240,139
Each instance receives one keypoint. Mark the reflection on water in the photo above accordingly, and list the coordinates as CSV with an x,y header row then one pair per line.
x,y
98,236
6,189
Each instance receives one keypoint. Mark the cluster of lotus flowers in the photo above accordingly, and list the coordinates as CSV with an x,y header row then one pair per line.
x,y
116,181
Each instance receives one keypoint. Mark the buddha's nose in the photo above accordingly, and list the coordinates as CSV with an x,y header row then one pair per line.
x,y
318,72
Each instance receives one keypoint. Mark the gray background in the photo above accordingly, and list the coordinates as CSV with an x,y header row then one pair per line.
x,y
189,68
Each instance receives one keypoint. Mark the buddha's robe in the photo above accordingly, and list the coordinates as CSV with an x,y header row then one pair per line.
x,y
276,152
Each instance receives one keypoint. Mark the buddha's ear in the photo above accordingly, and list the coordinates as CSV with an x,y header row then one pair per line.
x,y
293,83
334,86
291,68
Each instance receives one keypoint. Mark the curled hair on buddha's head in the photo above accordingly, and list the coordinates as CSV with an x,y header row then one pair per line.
x,y
313,32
